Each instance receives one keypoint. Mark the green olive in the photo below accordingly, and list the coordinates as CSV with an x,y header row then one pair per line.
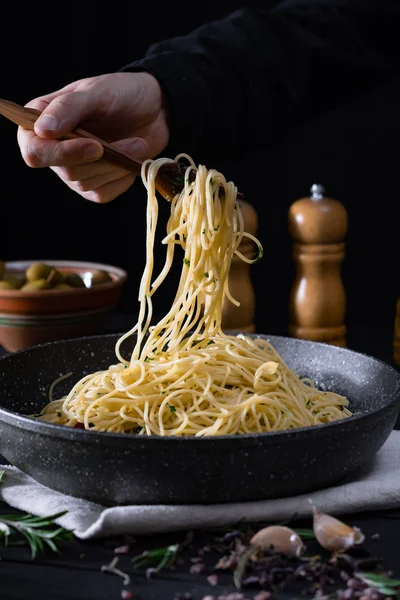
x,y
6,285
15,282
74,280
99,277
2,268
63,286
37,271
37,285
55,277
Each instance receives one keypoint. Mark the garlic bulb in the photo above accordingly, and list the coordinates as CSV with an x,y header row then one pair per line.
x,y
333,534
280,539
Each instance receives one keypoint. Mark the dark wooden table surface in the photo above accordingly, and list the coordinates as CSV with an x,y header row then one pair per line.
x,y
76,572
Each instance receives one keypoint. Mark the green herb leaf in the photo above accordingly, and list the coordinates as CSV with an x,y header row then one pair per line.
x,y
171,408
177,181
160,558
38,532
387,591
379,581
306,534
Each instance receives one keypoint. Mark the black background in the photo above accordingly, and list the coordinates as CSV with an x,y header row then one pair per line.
x,y
352,150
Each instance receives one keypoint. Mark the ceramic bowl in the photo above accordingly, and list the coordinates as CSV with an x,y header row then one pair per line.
x,y
28,318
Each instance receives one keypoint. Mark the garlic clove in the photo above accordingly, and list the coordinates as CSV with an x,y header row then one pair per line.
x,y
279,538
333,534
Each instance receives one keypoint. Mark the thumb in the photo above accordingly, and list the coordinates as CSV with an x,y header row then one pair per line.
x,y
64,113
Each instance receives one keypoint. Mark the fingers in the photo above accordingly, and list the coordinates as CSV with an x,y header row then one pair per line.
x,y
98,181
77,161
101,181
135,147
94,171
38,152
107,192
155,134
63,111
88,171
84,178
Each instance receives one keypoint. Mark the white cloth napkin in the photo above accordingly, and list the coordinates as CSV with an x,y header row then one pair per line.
x,y
376,488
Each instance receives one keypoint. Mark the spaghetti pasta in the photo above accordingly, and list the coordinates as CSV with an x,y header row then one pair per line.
x,y
186,376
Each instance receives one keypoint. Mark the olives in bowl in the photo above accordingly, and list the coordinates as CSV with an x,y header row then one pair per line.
x,y
47,300
43,276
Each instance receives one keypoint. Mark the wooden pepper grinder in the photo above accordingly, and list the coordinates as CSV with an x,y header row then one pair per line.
x,y
241,318
317,305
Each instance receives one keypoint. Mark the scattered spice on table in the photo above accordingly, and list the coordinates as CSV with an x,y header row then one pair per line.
x,y
326,562
113,570
336,569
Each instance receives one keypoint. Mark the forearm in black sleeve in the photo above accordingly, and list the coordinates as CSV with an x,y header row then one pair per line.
x,y
244,80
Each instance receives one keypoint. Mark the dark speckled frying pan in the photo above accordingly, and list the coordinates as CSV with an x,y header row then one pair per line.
x,y
121,469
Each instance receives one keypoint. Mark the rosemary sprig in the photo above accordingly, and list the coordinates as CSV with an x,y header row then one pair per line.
x,y
157,559
383,584
39,532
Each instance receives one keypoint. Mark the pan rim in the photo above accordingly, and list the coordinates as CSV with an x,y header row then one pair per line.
x,y
51,429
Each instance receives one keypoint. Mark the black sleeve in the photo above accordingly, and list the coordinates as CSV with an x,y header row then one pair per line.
x,y
246,79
